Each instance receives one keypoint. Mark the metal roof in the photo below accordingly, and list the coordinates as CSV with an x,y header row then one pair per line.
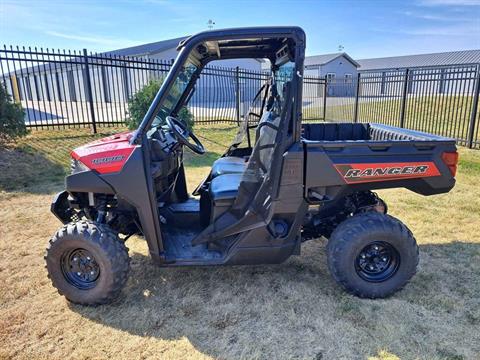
x,y
326,58
409,61
147,49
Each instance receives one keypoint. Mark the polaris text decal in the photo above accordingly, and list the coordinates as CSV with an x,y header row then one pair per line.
x,y
357,173
108,159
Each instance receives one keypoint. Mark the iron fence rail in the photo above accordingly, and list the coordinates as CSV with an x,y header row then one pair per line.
x,y
63,89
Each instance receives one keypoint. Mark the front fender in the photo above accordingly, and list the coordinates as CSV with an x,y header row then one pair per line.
x,y
60,207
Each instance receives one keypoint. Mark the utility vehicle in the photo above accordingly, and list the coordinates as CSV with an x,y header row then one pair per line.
x,y
285,183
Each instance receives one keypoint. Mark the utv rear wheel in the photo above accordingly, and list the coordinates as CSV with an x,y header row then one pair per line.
x,y
372,255
87,263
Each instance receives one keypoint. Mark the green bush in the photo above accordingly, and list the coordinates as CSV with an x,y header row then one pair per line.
x,y
12,118
139,103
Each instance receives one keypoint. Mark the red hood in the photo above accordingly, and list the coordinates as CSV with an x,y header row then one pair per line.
x,y
106,155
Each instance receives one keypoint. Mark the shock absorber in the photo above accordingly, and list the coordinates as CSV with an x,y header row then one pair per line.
x,y
101,208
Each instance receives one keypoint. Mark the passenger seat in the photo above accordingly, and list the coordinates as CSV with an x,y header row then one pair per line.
x,y
229,165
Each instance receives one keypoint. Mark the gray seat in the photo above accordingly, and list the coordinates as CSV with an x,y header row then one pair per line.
x,y
221,195
225,187
228,172
228,165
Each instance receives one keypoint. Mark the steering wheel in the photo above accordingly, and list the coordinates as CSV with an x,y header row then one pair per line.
x,y
182,134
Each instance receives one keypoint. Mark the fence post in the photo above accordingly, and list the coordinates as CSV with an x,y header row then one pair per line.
x,y
357,91
473,115
404,99
325,99
237,93
89,91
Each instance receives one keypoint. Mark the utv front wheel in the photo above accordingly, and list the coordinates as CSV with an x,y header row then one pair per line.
x,y
87,263
372,255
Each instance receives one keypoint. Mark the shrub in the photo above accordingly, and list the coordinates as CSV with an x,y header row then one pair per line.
x,y
12,118
139,103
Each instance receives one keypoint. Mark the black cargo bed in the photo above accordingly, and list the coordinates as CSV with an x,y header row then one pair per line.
x,y
365,132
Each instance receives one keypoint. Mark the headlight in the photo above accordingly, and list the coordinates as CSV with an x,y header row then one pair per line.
x,y
77,166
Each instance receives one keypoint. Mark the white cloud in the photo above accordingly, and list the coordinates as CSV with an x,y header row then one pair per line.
x,y
460,30
94,39
450,2
436,17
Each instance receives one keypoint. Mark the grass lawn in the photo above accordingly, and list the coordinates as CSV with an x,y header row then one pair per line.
x,y
292,310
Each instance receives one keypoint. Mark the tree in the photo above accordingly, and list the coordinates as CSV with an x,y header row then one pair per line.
x,y
12,118
140,102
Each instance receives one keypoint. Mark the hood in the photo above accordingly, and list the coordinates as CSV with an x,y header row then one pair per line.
x,y
106,155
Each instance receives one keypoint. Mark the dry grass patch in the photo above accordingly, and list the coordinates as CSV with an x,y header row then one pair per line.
x,y
292,310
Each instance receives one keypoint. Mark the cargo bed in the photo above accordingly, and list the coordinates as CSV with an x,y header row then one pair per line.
x,y
347,157
367,132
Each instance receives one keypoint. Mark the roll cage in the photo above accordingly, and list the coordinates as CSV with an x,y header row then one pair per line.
x,y
277,44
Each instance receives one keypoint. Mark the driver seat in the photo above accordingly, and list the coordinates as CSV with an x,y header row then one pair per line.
x,y
234,164
223,188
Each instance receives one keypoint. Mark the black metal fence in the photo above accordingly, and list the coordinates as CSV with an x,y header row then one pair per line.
x,y
440,100
60,89
63,89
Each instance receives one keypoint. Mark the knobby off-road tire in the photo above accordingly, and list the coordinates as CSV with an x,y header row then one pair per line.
x,y
99,256
352,254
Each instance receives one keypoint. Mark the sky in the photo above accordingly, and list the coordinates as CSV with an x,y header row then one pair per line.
x,y
365,29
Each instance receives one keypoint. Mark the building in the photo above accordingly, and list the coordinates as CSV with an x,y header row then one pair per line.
x,y
112,78
338,66
428,73
338,69
464,57
166,50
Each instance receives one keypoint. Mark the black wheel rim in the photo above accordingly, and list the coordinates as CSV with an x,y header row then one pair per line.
x,y
80,268
377,262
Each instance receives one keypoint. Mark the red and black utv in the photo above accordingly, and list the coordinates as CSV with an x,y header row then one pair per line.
x,y
290,183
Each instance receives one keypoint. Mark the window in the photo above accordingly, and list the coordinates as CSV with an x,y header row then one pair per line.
x,y
175,92
348,78
331,77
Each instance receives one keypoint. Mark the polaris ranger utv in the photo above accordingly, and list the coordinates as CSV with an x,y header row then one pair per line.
x,y
290,183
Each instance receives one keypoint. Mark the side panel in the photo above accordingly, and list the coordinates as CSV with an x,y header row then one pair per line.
x,y
349,167
132,185
87,181
266,244
354,173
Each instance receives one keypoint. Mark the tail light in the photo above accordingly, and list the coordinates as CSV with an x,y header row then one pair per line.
x,y
451,160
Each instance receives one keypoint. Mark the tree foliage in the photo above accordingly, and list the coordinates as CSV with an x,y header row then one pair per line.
x,y
139,103
12,118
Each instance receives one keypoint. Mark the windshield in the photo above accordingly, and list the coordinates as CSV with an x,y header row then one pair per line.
x,y
175,93
283,76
